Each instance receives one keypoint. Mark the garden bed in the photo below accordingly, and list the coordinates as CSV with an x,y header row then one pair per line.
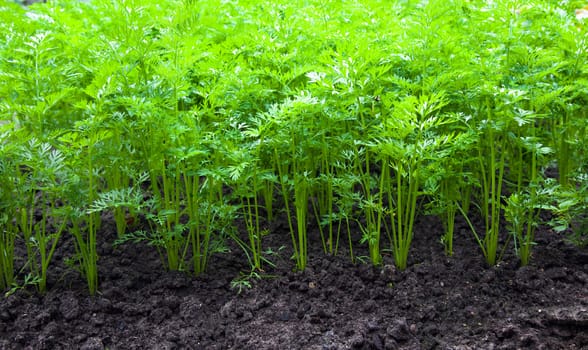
x,y
293,174
436,303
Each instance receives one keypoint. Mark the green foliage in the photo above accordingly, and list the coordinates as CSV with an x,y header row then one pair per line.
x,y
570,210
522,213
8,213
189,117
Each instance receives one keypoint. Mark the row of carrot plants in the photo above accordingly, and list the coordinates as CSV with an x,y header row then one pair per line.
x,y
353,117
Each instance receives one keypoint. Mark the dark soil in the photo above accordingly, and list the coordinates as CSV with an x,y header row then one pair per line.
x,y
437,303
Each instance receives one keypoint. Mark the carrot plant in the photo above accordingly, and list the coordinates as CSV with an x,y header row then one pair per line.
x,y
491,121
372,193
209,215
293,144
491,157
324,205
83,143
247,172
125,203
8,212
449,185
371,203
43,87
522,213
413,144
501,149
185,213
351,86
7,236
345,202
530,195
569,210
449,197
39,217
566,102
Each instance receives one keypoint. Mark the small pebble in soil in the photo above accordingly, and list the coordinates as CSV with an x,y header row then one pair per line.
x,y
69,307
556,273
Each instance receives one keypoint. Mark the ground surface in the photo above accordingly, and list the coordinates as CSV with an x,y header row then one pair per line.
x,y
437,303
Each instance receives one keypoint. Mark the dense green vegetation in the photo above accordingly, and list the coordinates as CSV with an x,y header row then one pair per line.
x,y
355,116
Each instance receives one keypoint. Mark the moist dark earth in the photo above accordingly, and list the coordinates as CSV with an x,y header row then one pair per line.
x,y
438,302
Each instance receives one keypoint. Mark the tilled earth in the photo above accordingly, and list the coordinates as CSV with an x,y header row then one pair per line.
x,y
437,303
